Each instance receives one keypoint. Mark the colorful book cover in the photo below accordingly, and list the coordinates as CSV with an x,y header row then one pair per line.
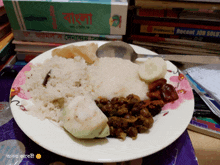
x,y
93,16
187,48
210,40
176,41
161,13
182,24
151,12
5,41
176,29
206,123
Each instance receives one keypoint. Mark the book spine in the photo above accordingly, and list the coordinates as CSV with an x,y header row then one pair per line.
x,y
27,57
6,52
151,12
179,15
3,19
171,4
176,41
204,127
33,47
4,42
5,29
210,40
29,51
11,60
160,13
28,43
175,24
60,37
195,31
178,47
39,50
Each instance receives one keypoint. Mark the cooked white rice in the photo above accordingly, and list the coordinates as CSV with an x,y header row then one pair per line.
x,y
107,77
115,77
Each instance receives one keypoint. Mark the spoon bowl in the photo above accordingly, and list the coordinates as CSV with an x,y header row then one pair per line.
x,y
124,50
117,49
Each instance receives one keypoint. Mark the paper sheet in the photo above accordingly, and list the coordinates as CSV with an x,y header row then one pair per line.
x,y
208,76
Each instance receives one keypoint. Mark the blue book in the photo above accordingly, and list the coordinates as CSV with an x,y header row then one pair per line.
x,y
209,123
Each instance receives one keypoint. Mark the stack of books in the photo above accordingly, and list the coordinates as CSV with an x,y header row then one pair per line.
x,y
29,44
176,27
6,37
41,25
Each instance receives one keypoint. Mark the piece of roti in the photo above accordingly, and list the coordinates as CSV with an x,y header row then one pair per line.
x,y
83,119
88,52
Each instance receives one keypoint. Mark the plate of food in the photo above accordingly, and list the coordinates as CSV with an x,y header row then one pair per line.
x,y
101,109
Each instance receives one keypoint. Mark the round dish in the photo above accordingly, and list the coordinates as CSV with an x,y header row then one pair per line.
x,y
168,125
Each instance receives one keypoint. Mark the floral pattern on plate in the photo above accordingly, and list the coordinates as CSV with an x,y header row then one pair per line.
x,y
18,82
183,90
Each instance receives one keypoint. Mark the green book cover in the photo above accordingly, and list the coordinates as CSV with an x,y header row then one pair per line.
x,y
94,17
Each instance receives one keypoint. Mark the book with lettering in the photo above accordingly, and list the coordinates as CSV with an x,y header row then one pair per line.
x,y
175,49
60,37
183,49
176,41
177,23
71,16
211,40
172,28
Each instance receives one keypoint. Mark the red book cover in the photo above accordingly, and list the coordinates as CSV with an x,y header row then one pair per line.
x,y
175,24
171,14
147,38
151,12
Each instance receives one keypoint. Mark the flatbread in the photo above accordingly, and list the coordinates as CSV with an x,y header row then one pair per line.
x,y
83,119
88,52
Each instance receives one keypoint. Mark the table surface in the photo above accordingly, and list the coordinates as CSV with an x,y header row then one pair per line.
x,y
207,149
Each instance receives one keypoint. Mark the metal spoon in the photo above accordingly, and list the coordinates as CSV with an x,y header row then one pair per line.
x,y
123,50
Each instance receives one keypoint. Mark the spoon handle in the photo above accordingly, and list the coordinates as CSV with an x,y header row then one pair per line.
x,y
186,58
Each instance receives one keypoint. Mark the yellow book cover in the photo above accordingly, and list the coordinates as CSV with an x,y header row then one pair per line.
x,y
6,40
157,29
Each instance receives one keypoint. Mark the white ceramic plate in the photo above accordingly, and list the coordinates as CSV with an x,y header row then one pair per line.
x,y
168,125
